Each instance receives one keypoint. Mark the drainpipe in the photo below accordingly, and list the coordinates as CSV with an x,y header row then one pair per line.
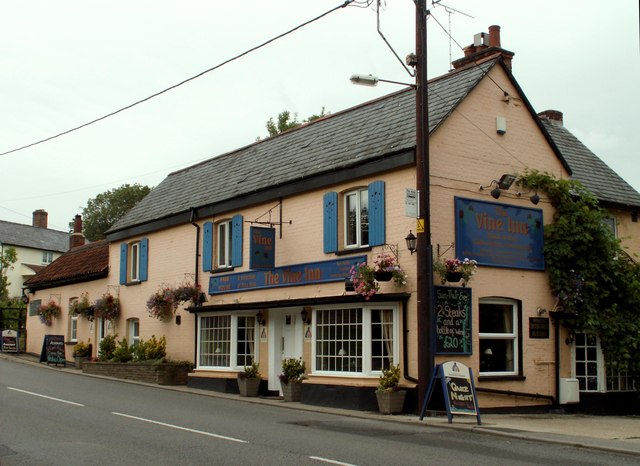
x,y
193,222
405,350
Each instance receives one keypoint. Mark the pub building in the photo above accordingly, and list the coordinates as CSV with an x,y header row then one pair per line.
x,y
272,233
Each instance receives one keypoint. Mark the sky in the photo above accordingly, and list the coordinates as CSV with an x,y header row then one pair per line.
x,y
66,63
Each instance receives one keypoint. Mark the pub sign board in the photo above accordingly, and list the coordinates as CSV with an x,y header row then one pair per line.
x,y
53,350
538,327
9,342
292,275
453,319
499,235
262,248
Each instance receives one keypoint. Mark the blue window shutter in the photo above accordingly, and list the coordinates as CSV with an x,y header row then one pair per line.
x,y
376,214
207,246
144,259
330,222
124,249
236,241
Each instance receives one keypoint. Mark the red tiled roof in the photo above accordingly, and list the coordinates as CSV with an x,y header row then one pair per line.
x,y
80,264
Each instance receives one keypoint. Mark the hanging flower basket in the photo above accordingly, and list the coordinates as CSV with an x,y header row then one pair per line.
x,y
82,308
365,278
455,270
48,312
107,307
162,304
453,277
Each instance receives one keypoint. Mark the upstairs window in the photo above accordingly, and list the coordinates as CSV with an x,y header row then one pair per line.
x,y
356,218
360,213
134,258
47,257
222,244
224,241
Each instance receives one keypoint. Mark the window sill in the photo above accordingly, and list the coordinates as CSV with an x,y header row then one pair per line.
x,y
344,252
222,270
133,283
500,378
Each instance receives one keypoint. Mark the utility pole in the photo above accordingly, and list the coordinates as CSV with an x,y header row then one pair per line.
x,y
424,294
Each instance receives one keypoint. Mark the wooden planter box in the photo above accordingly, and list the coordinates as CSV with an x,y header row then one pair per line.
x,y
160,373
391,402
249,386
292,391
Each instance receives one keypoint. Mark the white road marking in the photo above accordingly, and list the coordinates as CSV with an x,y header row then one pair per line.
x,y
180,428
45,396
327,460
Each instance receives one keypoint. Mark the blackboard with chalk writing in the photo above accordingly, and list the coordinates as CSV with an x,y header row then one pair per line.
x,y
53,350
452,309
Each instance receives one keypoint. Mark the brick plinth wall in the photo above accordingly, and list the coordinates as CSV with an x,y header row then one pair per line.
x,y
161,374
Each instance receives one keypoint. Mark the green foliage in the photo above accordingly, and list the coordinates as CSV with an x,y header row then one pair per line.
x,y
285,122
123,352
107,208
292,370
150,349
250,372
389,379
81,349
8,257
107,348
596,282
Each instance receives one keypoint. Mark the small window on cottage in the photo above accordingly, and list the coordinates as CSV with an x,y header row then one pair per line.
x,y
133,331
47,257
73,321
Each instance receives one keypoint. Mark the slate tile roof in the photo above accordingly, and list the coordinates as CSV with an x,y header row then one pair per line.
x,y
80,264
17,234
341,140
590,170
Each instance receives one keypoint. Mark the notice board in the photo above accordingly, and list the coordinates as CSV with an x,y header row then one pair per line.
x,y
453,319
9,342
53,350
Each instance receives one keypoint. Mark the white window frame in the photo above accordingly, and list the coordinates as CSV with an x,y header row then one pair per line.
x,y
592,354
232,342
133,331
134,261
47,257
513,336
224,239
357,196
366,340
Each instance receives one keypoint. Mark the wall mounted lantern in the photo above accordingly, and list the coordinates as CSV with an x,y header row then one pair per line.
x,y
412,242
260,318
306,315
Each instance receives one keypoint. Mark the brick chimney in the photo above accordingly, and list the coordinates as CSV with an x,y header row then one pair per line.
x,y
40,218
485,47
554,116
77,238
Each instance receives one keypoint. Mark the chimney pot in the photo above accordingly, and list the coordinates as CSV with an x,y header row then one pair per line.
x,y
494,36
76,238
40,218
554,116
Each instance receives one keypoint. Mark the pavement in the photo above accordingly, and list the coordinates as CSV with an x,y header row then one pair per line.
x,y
620,434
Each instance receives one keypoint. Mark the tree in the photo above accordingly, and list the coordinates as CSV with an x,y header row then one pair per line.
x,y
285,122
107,208
7,258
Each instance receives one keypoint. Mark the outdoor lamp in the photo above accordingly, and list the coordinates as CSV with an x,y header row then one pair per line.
x,y
412,242
260,318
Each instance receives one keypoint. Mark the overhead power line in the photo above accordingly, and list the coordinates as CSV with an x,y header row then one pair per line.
x,y
220,65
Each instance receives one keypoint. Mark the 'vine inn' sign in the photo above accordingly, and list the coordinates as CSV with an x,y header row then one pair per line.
x,y
292,275
499,235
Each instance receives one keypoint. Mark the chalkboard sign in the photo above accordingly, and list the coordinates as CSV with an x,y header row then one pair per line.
x,y
53,350
453,319
457,389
